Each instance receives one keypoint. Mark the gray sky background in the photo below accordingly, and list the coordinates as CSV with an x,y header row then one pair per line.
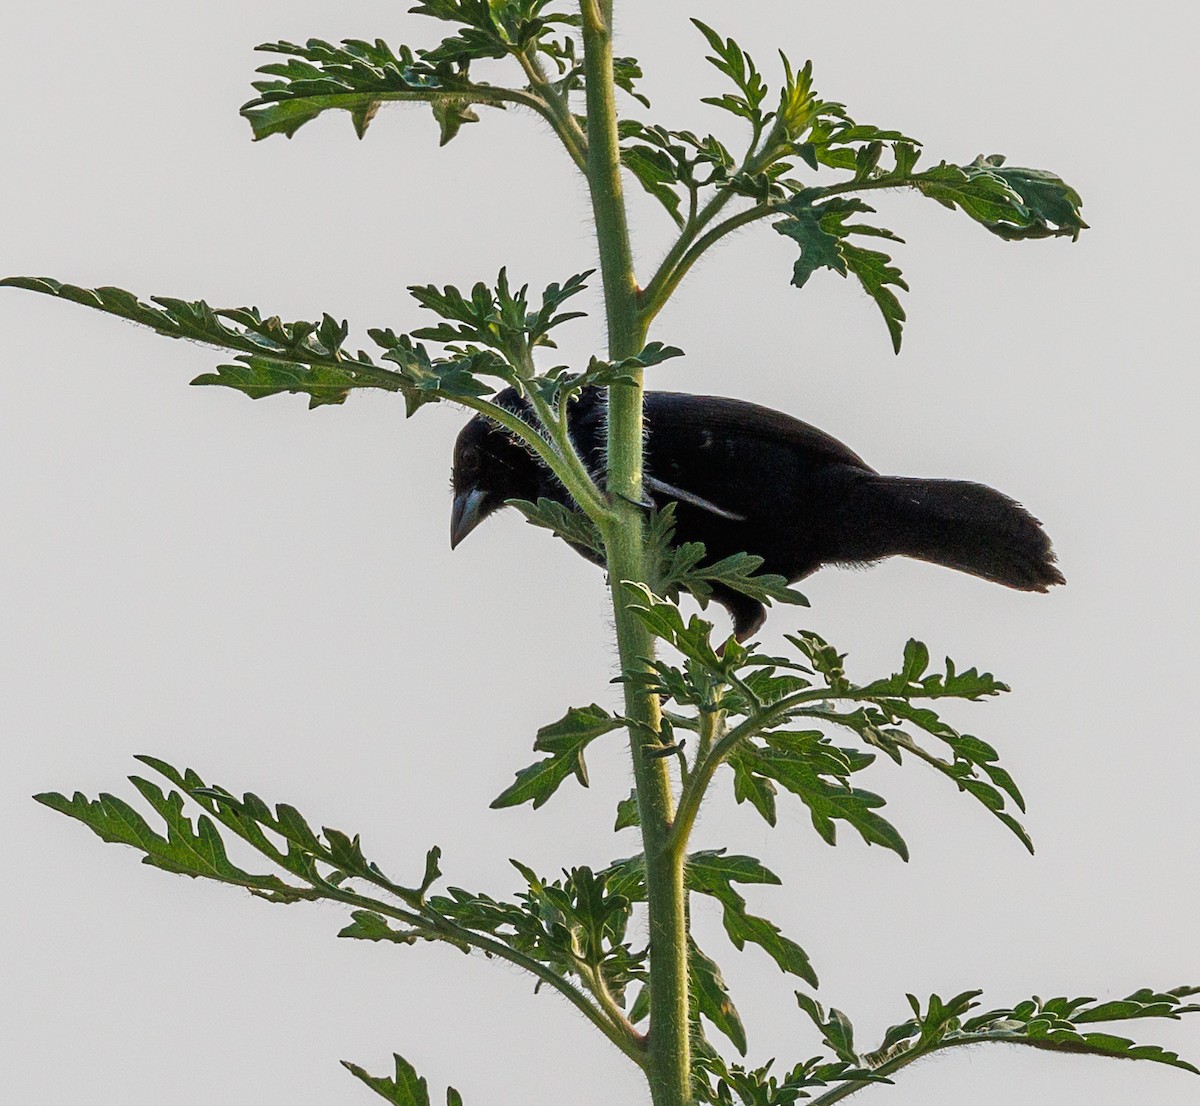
x,y
266,593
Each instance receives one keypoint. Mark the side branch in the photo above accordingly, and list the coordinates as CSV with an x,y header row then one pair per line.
x,y
557,110
675,265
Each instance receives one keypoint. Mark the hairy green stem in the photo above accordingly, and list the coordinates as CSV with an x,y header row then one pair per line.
x,y
696,785
691,243
557,109
593,979
446,930
491,95
654,295
890,1067
668,277
668,1060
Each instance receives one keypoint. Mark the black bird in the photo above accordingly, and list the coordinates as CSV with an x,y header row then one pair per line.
x,y
748,479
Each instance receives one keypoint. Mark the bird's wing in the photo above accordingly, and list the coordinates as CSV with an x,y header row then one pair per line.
x,y
672,492
724,416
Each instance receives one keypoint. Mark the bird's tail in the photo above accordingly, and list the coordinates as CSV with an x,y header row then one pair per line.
x,y
953,523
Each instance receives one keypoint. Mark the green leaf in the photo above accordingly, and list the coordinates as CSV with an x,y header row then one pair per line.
x,y
836,1030
656,173
973,766
575,926
1047,1024
789,956
498,318
798,105
829,801
573,527
749,785
579,724
626,73
272,356
730,59
1011,202
195,851
356,76
405,1088
451,112
671,164
758,1087
713,873
640,1010
565,741
910,682
259,377
824,658
1145,1003
875,273
628,814
711,998
821,231
369,926
819,249
739,572
665,621
538,781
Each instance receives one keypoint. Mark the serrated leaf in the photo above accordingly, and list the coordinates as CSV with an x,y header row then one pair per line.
x,y
731,60
665,621
713,869
819,249
538,781
876,273
369,926
711,997
1012,202
565,740
356,76
626,73
451,113
1046,1024
739,572
749,785
404,1088
578,727
573,527
836,1030
655,172
195,851
830,801
273,356
821,231
713,873
789,956
628,814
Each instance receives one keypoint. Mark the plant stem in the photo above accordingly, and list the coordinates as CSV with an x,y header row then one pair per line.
x,y
674,269
557,109
668,1062
434,927
695,787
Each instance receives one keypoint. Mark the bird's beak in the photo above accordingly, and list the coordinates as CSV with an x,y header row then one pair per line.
x,y
466,514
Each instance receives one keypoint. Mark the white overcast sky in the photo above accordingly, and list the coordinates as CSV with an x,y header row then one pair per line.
x,y
267,594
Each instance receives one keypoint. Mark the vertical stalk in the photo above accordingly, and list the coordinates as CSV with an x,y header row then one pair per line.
x,y
668,1061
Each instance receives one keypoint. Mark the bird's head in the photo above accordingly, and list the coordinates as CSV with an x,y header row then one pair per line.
x,y
490,467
